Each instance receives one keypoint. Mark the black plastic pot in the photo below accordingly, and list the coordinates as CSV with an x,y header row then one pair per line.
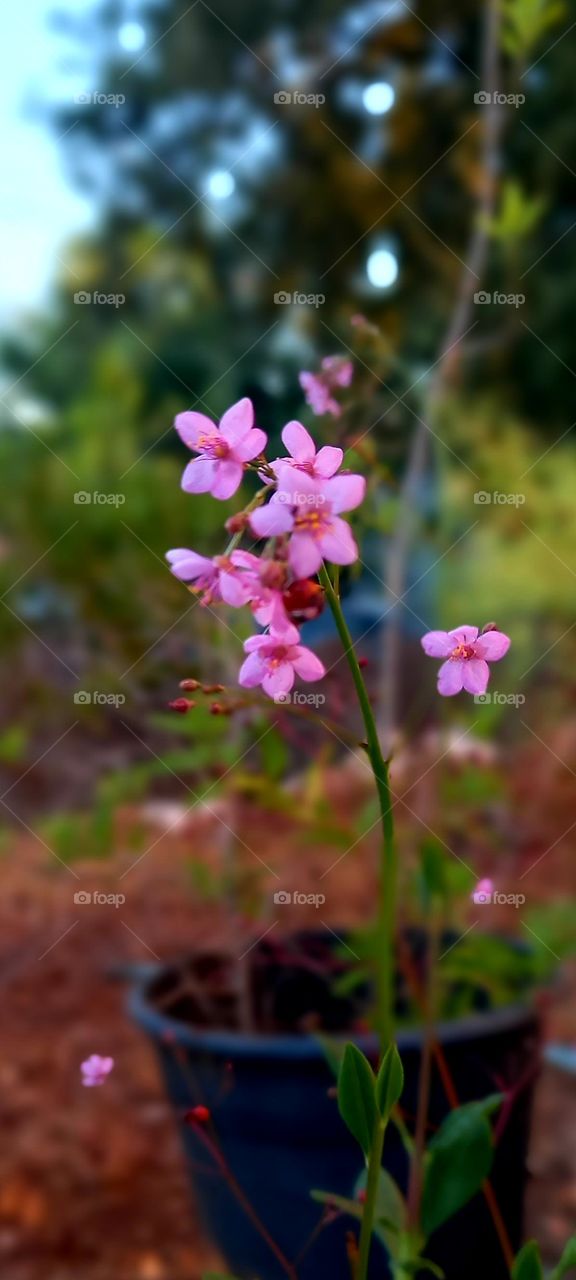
x,y
272,1103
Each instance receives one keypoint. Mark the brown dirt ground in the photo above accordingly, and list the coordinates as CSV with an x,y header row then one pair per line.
x,y
92,1183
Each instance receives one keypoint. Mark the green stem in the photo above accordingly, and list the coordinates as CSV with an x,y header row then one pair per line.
x,y
385,958
369,1213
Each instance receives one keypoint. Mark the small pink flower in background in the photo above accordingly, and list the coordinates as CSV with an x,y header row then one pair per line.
x,y
264,581
320,464
483,892
312,515
467,656
224,450
335,371
216,579
95,1069
275,659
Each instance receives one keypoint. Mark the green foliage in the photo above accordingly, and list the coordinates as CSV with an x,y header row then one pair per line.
x,y
527,1265
458,1159
518,213
525,22
391,1213
357,1096
389,1082
567,1262
13,744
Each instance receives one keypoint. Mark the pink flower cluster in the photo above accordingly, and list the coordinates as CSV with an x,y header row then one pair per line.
x,y
299,514
318,388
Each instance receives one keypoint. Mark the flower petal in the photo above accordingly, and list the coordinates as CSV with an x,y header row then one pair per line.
x,y
192,426
337,542
199,475
345,492
306,664
252,671
278,681
299,442
438,644
233,590
476,675
328,459
237,421
451,677
304,554
464,635
188,565
253,443
227,479
275,518
492,645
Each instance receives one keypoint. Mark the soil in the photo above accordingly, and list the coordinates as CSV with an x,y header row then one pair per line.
x,y
92,1182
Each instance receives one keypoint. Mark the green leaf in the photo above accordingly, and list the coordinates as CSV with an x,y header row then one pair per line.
x,y
567,1261
389,1082
357,1096
391,1214
458,1160
528,1265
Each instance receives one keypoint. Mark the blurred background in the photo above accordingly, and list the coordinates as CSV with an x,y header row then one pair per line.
x,y
202,200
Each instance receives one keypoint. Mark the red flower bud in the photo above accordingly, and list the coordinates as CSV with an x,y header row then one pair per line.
x,y
197,1115
304,599
189,684
181,704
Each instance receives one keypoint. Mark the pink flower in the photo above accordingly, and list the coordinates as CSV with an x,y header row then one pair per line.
x,y
467,654
224,450
275,659
95,1069
217,579
264,580
312,516
336,371
303,456
483,892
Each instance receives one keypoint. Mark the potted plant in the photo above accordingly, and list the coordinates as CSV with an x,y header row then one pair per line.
x,y
330,1085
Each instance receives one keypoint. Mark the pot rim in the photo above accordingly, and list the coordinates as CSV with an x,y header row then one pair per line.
x,y
307,1047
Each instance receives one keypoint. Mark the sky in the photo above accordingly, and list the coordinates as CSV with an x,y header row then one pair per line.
x,y
38,209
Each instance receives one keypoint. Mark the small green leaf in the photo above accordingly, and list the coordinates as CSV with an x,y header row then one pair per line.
x,y
390,1082
528,1265
357,1096
567,1261
458,1160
